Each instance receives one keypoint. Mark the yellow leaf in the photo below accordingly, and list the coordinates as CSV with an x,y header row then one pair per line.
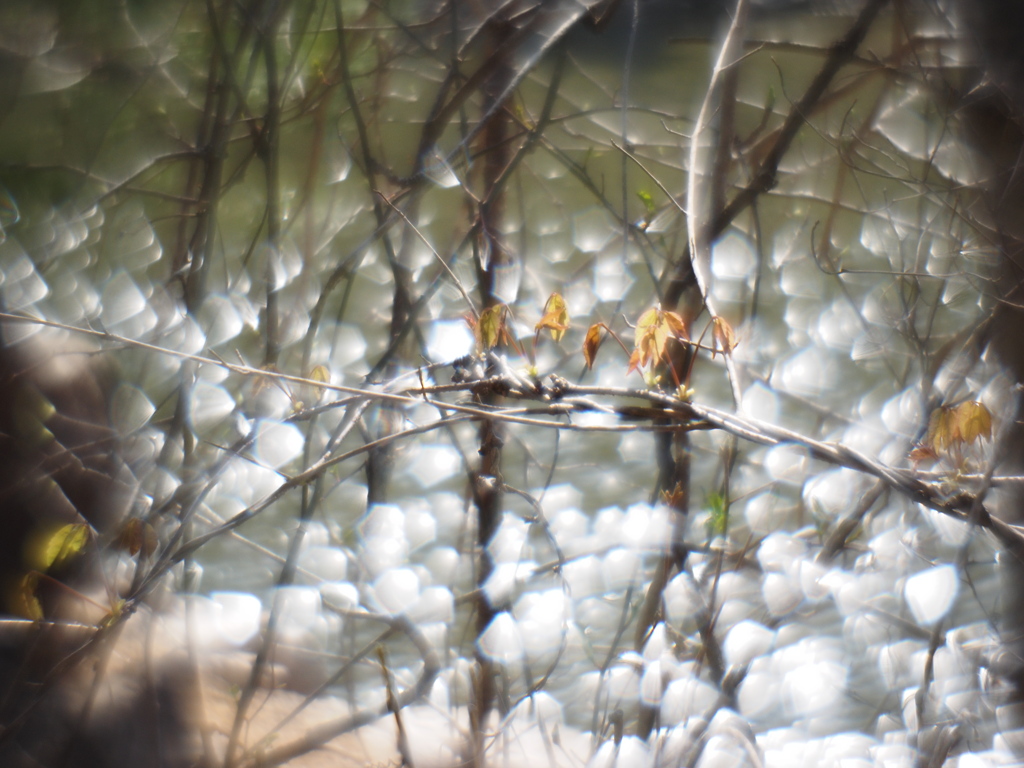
x,y
25,601
645,326
963,424
591,343
311,393
63,544
648,200
973,420
31,411
646,337
321,374
265,382
491,327
940,430
556,317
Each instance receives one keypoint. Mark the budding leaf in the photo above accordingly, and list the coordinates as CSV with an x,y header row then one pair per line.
x,y
676,498
718,515
556,317
648,200
116,611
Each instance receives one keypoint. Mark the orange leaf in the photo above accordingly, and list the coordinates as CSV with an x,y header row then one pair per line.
x,y
654,329
137,536
725,337
676,325
676,498
659,342
634,362
556,317
591,343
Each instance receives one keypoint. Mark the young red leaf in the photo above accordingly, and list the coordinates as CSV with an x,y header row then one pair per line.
x,y
923,453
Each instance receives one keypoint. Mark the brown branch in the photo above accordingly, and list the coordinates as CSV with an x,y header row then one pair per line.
x,y
766,176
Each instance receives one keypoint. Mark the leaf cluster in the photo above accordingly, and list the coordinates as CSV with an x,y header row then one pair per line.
x,y
953,427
